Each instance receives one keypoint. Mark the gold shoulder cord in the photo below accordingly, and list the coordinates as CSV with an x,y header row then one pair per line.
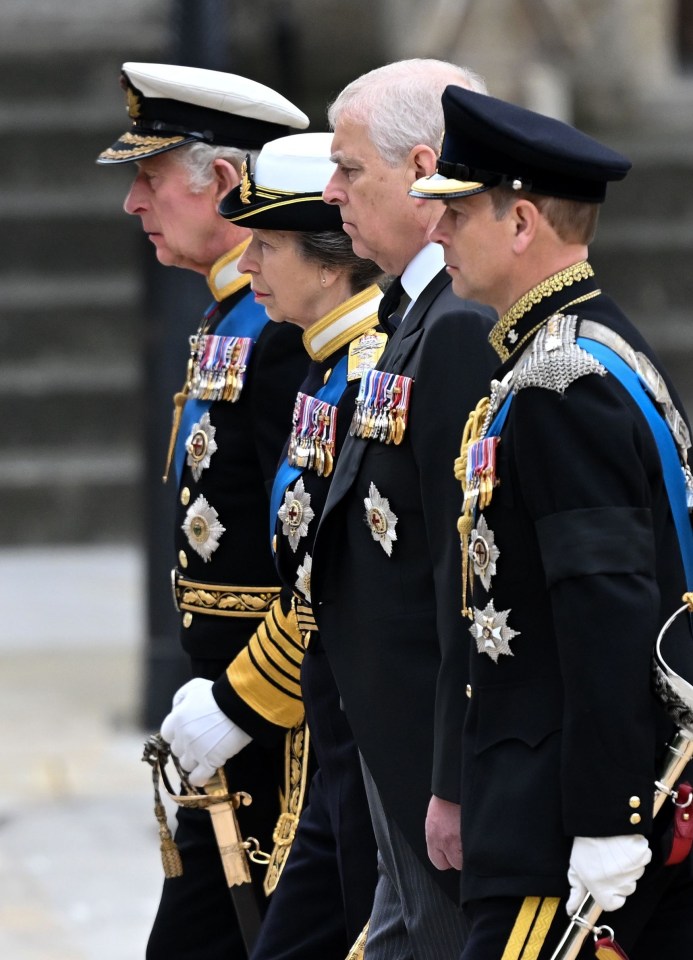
x,y
476,426
296,778
178,404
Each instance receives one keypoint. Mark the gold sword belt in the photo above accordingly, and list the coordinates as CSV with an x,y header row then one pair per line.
x,y
221,599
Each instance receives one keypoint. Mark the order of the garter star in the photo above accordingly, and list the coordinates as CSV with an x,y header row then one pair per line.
x,y
201,445
295,514
380,519
203,528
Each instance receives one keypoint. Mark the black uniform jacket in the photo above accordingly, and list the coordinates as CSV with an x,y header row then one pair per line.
x,y
249,435
341,798
380,616
563,735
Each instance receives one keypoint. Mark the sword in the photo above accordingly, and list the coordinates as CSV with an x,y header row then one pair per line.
x,y
234,856
677,696
221,805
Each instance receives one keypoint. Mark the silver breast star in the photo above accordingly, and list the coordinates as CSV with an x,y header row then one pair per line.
x,y
491,631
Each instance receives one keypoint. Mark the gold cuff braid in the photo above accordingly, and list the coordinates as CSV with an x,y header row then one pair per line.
x,y
266,674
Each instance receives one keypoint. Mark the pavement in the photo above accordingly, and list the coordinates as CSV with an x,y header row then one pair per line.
x,y
80,874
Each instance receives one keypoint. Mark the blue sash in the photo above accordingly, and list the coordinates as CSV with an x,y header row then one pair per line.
x,y
668,454
671,464
331,392
246,319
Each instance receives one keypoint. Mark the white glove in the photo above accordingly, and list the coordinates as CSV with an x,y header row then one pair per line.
x,y
201,735
606,867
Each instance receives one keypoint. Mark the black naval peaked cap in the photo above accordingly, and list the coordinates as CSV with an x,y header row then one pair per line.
x,y
170,106
490,142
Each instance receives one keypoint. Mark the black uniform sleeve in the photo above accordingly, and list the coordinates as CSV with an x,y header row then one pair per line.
x,y
260,690
587,467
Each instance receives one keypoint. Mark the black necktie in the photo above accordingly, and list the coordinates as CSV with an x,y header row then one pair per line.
x,y
392,306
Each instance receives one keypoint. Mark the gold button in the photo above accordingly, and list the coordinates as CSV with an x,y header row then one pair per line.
x,y
469,690
187,619
634,802
182,559
635,818
185,496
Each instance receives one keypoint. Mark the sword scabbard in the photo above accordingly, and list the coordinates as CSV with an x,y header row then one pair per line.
x,y
233,853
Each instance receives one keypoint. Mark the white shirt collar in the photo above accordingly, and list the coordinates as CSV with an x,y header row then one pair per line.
x,y
419,272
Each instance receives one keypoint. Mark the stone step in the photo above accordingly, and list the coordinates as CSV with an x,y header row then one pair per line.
x,y
82,27
56,496
54,241
93,318
59,162
69,405
647,281
657,188
51,83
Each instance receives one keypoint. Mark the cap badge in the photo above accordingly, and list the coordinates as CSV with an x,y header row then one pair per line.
x,y
133,103
246,183
203,528
491,632
201,445
381,520
295,514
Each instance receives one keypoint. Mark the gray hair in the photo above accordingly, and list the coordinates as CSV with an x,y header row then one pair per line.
x,y
332,248
400,104
197,158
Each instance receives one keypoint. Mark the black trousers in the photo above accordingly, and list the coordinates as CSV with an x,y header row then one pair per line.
x,y
655,922
325,893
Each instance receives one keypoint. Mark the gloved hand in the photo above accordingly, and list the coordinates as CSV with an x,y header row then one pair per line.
x,y
201,735
607,867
